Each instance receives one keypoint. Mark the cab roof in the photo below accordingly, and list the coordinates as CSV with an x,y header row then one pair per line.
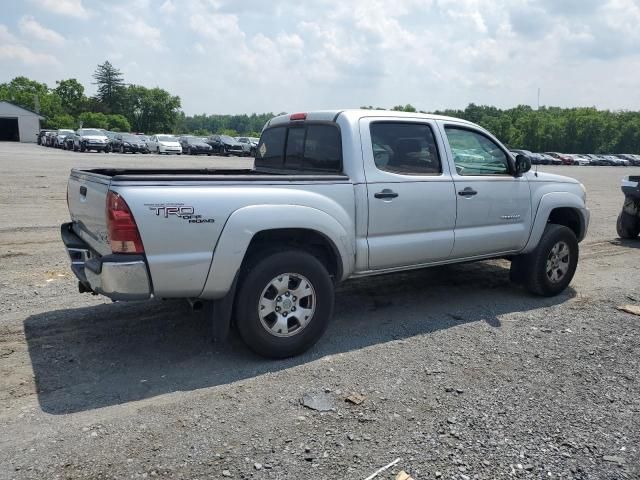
x,y
354,114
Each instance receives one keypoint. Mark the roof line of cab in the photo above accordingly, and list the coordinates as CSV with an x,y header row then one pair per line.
x,y
332,116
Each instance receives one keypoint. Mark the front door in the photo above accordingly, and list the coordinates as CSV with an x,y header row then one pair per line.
x,y
411,197
494,207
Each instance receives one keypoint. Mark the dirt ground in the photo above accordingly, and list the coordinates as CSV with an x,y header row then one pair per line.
x,y
463,375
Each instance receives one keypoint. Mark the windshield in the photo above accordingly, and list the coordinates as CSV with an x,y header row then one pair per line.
x,y
130,138
91,131
167,138
64,132
143,137
228,139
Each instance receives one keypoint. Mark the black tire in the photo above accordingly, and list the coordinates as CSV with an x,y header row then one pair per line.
x,y
257,276
83,147
627,226
530,270
189,151
122,149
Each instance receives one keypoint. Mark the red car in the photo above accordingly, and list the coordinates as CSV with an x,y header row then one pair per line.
x,y
566,160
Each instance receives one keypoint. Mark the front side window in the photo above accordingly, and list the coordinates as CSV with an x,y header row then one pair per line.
x,y
405,148
476,154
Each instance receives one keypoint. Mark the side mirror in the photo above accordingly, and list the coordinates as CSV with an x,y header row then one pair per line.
x,y
523,164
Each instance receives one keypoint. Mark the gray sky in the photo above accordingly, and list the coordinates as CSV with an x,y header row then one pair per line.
x,y
224,56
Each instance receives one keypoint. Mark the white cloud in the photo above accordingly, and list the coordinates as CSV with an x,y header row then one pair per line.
x,y
71,8
29,26
284,55
149,35
11,49
168,7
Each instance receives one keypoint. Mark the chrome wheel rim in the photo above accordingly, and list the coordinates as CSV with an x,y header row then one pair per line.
x,y
558,262
287,305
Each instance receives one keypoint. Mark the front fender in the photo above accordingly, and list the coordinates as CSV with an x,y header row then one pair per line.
x,y
245,223
548,203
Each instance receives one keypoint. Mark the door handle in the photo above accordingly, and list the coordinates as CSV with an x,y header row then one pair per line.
x,y
83,191
467,192
386,193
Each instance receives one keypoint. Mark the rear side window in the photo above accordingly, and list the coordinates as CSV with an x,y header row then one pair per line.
x,y
405,148
307,148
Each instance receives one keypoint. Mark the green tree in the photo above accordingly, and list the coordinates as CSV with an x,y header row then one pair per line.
x,y
62,121
151,109
118,123
71,93
110,83
93,120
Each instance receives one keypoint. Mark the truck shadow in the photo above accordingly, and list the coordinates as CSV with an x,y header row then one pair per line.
x,y
111,354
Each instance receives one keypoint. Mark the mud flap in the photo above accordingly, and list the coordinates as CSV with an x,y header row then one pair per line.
x,y
219,312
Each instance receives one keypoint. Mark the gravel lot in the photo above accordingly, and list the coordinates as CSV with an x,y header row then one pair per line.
x,y
464,376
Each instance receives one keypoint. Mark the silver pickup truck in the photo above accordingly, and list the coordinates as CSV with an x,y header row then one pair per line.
x,y
333,195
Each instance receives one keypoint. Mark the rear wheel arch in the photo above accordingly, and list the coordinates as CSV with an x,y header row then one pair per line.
x,y
304,239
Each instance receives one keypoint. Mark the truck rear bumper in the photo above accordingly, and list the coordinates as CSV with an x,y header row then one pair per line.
x,y
119,277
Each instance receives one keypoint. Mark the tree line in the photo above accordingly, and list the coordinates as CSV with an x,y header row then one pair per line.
x,y
120,106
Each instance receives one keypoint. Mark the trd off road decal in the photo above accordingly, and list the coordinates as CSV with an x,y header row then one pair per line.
x,y
177,210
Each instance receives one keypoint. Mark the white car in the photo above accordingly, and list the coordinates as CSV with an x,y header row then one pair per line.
x,y
164,144
580,159
91,139
61,134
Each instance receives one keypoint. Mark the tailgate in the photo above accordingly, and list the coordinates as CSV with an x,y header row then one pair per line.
x,y
87,194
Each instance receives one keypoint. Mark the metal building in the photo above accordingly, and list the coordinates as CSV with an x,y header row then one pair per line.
x,y
18,124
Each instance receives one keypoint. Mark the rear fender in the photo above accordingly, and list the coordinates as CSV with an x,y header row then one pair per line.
x,y
245,223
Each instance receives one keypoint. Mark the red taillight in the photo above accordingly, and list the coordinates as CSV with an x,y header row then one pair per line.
x,y
121,227
298,116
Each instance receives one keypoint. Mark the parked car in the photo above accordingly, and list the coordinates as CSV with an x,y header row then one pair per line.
x,y
40,138
547,159
69,141
195,146
91,139
325,209
225,145
128,143
527,153
617,161
60,135
49,138
249,145
164,144
599,160
629,158
565,159
144,138
580,159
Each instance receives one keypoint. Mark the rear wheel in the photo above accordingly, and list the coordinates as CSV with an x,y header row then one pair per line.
x,y
549,269
284,303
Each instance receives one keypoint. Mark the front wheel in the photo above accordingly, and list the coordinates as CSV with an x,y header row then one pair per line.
x,y
627,226
549,269
284,303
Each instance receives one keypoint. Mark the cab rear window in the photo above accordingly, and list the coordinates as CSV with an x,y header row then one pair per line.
x,y
307,148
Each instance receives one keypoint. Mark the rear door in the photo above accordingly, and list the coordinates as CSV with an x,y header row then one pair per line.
x,y
412,202
494,207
